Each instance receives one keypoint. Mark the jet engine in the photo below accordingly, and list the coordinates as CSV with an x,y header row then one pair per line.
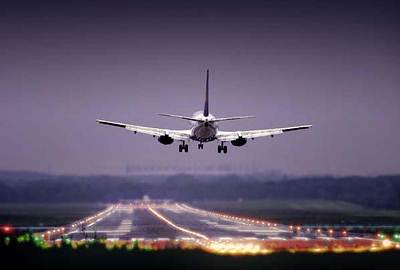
x,y
239,141
165,139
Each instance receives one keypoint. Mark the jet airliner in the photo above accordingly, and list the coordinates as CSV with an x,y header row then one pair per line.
x,y
204,128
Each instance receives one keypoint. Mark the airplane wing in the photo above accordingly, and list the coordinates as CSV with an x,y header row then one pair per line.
x,y
157,132
251,134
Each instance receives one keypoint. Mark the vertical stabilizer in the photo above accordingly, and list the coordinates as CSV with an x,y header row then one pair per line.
x,y
205,113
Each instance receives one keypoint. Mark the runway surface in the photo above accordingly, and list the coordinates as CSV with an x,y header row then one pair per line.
x,y
154,221
166,224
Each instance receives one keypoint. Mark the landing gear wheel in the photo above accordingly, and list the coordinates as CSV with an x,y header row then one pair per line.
x,y
219,148
225,149
183,147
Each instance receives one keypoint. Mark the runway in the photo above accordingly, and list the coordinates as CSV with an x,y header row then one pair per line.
x,y
166,224
153,221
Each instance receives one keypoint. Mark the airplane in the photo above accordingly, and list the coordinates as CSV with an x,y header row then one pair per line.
x,y
204,128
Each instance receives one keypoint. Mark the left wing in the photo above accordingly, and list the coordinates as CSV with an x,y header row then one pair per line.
x,y
174,134
251,134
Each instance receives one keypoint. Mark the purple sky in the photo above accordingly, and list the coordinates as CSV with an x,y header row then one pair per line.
x,y
331,64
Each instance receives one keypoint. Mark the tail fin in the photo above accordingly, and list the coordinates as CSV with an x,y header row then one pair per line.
x,y
205,113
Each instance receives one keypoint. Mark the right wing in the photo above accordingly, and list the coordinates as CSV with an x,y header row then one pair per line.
x,y
251,134
174,134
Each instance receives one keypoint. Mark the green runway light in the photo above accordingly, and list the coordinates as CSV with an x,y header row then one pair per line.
x,y
396,237
7,240
23,238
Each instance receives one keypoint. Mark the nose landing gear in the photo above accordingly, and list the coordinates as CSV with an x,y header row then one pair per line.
x,y
200,146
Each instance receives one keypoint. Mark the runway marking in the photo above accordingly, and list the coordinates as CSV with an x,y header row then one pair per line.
x,y
176,226
123,228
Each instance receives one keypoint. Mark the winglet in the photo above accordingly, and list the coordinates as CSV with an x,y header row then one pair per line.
x,y
205,113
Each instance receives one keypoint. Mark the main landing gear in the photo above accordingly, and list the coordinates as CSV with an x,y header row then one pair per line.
x,y
222,148
184,147
200,146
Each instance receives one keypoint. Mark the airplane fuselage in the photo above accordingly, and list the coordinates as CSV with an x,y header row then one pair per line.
x,y
204,131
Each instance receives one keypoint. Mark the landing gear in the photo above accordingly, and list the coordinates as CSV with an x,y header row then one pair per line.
x,y
183,147
222,148
200,146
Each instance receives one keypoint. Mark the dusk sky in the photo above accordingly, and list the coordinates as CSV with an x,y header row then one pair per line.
x,y
332,64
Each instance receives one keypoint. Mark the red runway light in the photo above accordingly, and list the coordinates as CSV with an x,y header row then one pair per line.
x,y
7,229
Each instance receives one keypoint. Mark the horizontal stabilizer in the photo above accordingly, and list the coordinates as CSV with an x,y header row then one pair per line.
x,y
231,118
180,117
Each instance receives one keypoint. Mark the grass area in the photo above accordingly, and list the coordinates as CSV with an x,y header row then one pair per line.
x,y
45,214
306,211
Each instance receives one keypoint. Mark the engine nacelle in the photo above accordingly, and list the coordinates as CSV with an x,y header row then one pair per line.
x,y
165,139
239,141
